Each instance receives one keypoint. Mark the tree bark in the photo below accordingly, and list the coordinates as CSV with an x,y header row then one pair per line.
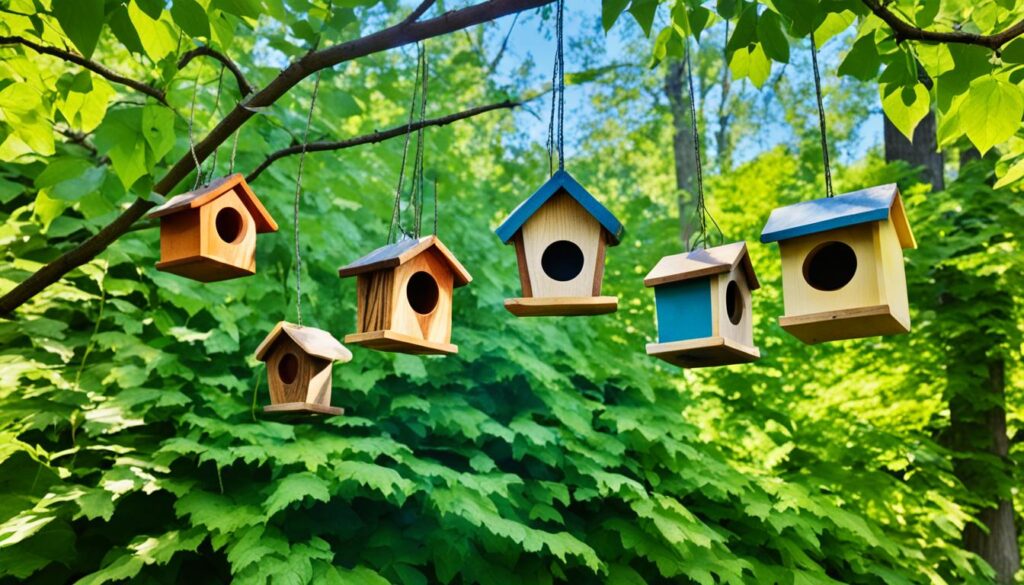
x,y
682,144
922,152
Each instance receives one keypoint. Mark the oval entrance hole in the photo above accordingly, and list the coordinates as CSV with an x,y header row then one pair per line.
x,y
422,293
229,225
733,302
830,266
288,368
562,261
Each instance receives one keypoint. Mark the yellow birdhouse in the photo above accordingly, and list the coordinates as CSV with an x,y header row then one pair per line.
x,y
703,306
842,265
405,297
210,234
560,234
299,361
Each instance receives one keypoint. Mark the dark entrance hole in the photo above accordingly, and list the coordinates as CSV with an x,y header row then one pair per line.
x,y
830,266
288,368
562,260
229,225
733,302
422,293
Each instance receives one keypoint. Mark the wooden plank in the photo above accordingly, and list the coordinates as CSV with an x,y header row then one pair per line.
x,y
800,298
207,193
524,271
561,219
599,264
300,408
844,324
702,353
204,269
701,263
397,342
179,236
561,306
394,255
240,249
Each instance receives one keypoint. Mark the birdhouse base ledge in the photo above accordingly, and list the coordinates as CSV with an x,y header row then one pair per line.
x,y
561,306
844,324
704,352
203,269
386,340
303,408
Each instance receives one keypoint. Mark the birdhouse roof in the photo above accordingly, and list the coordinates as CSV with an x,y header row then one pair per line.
x,y
207,193
560,181
701,263
821,215
401,252
315,342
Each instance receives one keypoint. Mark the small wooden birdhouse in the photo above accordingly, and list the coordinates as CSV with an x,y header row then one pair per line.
x,y
299,361
405,296
842,265
703,305
560,234
210,234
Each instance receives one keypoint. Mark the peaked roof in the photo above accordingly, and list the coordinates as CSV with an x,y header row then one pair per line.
x,y
315,342
560,181
699,263
213,190
401,252
812,217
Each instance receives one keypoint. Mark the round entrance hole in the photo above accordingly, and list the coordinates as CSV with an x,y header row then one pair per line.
x,y
562,260
830,266
422,293
288,368
733,302
229,225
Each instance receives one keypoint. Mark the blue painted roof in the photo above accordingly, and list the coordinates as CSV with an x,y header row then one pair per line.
x,y
560,181
820,215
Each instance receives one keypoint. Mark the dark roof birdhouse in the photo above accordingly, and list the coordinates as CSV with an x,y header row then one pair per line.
x,y
210,234
560,234
299,361
405,296
703,305
842,265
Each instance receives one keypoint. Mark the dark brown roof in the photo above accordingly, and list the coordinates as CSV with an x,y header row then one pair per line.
x,y
213,190
401,252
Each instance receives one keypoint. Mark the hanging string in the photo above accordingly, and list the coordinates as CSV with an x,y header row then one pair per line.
x,y
556,138
418,183
191,138
821,119
234,150
396,216
435,205
298,193
216,105
703,215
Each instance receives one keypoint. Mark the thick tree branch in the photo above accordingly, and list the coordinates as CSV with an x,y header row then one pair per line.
x,y
906,31
244,87
389,38
378,136
93,66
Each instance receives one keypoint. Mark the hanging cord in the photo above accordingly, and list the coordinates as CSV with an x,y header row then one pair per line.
x,y
216,105
298,193
191,138
703,215
396,216
556,138
435,204
821,119
234,150
418,183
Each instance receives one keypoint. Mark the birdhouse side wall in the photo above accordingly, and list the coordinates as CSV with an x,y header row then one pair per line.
x,y
561,218
374,292
179,235
743,330
800,298
305,368
891,275
435,325
236,221
684,310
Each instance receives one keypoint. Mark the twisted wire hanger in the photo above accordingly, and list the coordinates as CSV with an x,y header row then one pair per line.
x,y
556,133
821,120
703,214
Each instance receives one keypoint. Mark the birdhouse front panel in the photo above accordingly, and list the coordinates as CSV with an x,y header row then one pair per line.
x,y
562,244
422,299
295,376
684,310
830,271
732,307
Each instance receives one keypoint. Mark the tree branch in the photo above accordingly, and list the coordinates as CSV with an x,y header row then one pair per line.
x,y
93,66
389,38
416,13
244,87
906,31
378,136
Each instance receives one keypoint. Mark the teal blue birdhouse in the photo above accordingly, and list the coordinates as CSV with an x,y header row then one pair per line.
x,y
703,307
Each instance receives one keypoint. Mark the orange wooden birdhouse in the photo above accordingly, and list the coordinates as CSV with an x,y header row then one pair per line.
x,y
405,296
210,234
299,362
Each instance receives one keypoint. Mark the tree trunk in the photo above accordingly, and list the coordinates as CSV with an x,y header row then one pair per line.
x,y
682,144
919,153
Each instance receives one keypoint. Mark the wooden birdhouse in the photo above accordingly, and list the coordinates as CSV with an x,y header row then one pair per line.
x,y
299,361
405,297
842,265
210,234
560,234
703,306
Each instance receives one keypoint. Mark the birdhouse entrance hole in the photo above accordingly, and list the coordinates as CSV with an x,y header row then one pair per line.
x,y
229,225
562,261
733,302
830,266
288,368
422,293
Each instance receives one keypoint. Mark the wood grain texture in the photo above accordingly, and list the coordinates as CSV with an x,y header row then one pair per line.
x,y
701,263
190,245
313,341
400,343
742,332
801,298
561,218
524,273
374,307
844,324
706,352
234,184
602,246
302,408
561,306
435,326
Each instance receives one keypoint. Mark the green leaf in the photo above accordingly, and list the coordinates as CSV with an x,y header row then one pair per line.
x,y
745,32
643,11
774,41
1012,174
82,21
1013,52
121,138
905,105
862,61
61,169
296,487
158,128
610,12
158,40
191,17
242,8
992,112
